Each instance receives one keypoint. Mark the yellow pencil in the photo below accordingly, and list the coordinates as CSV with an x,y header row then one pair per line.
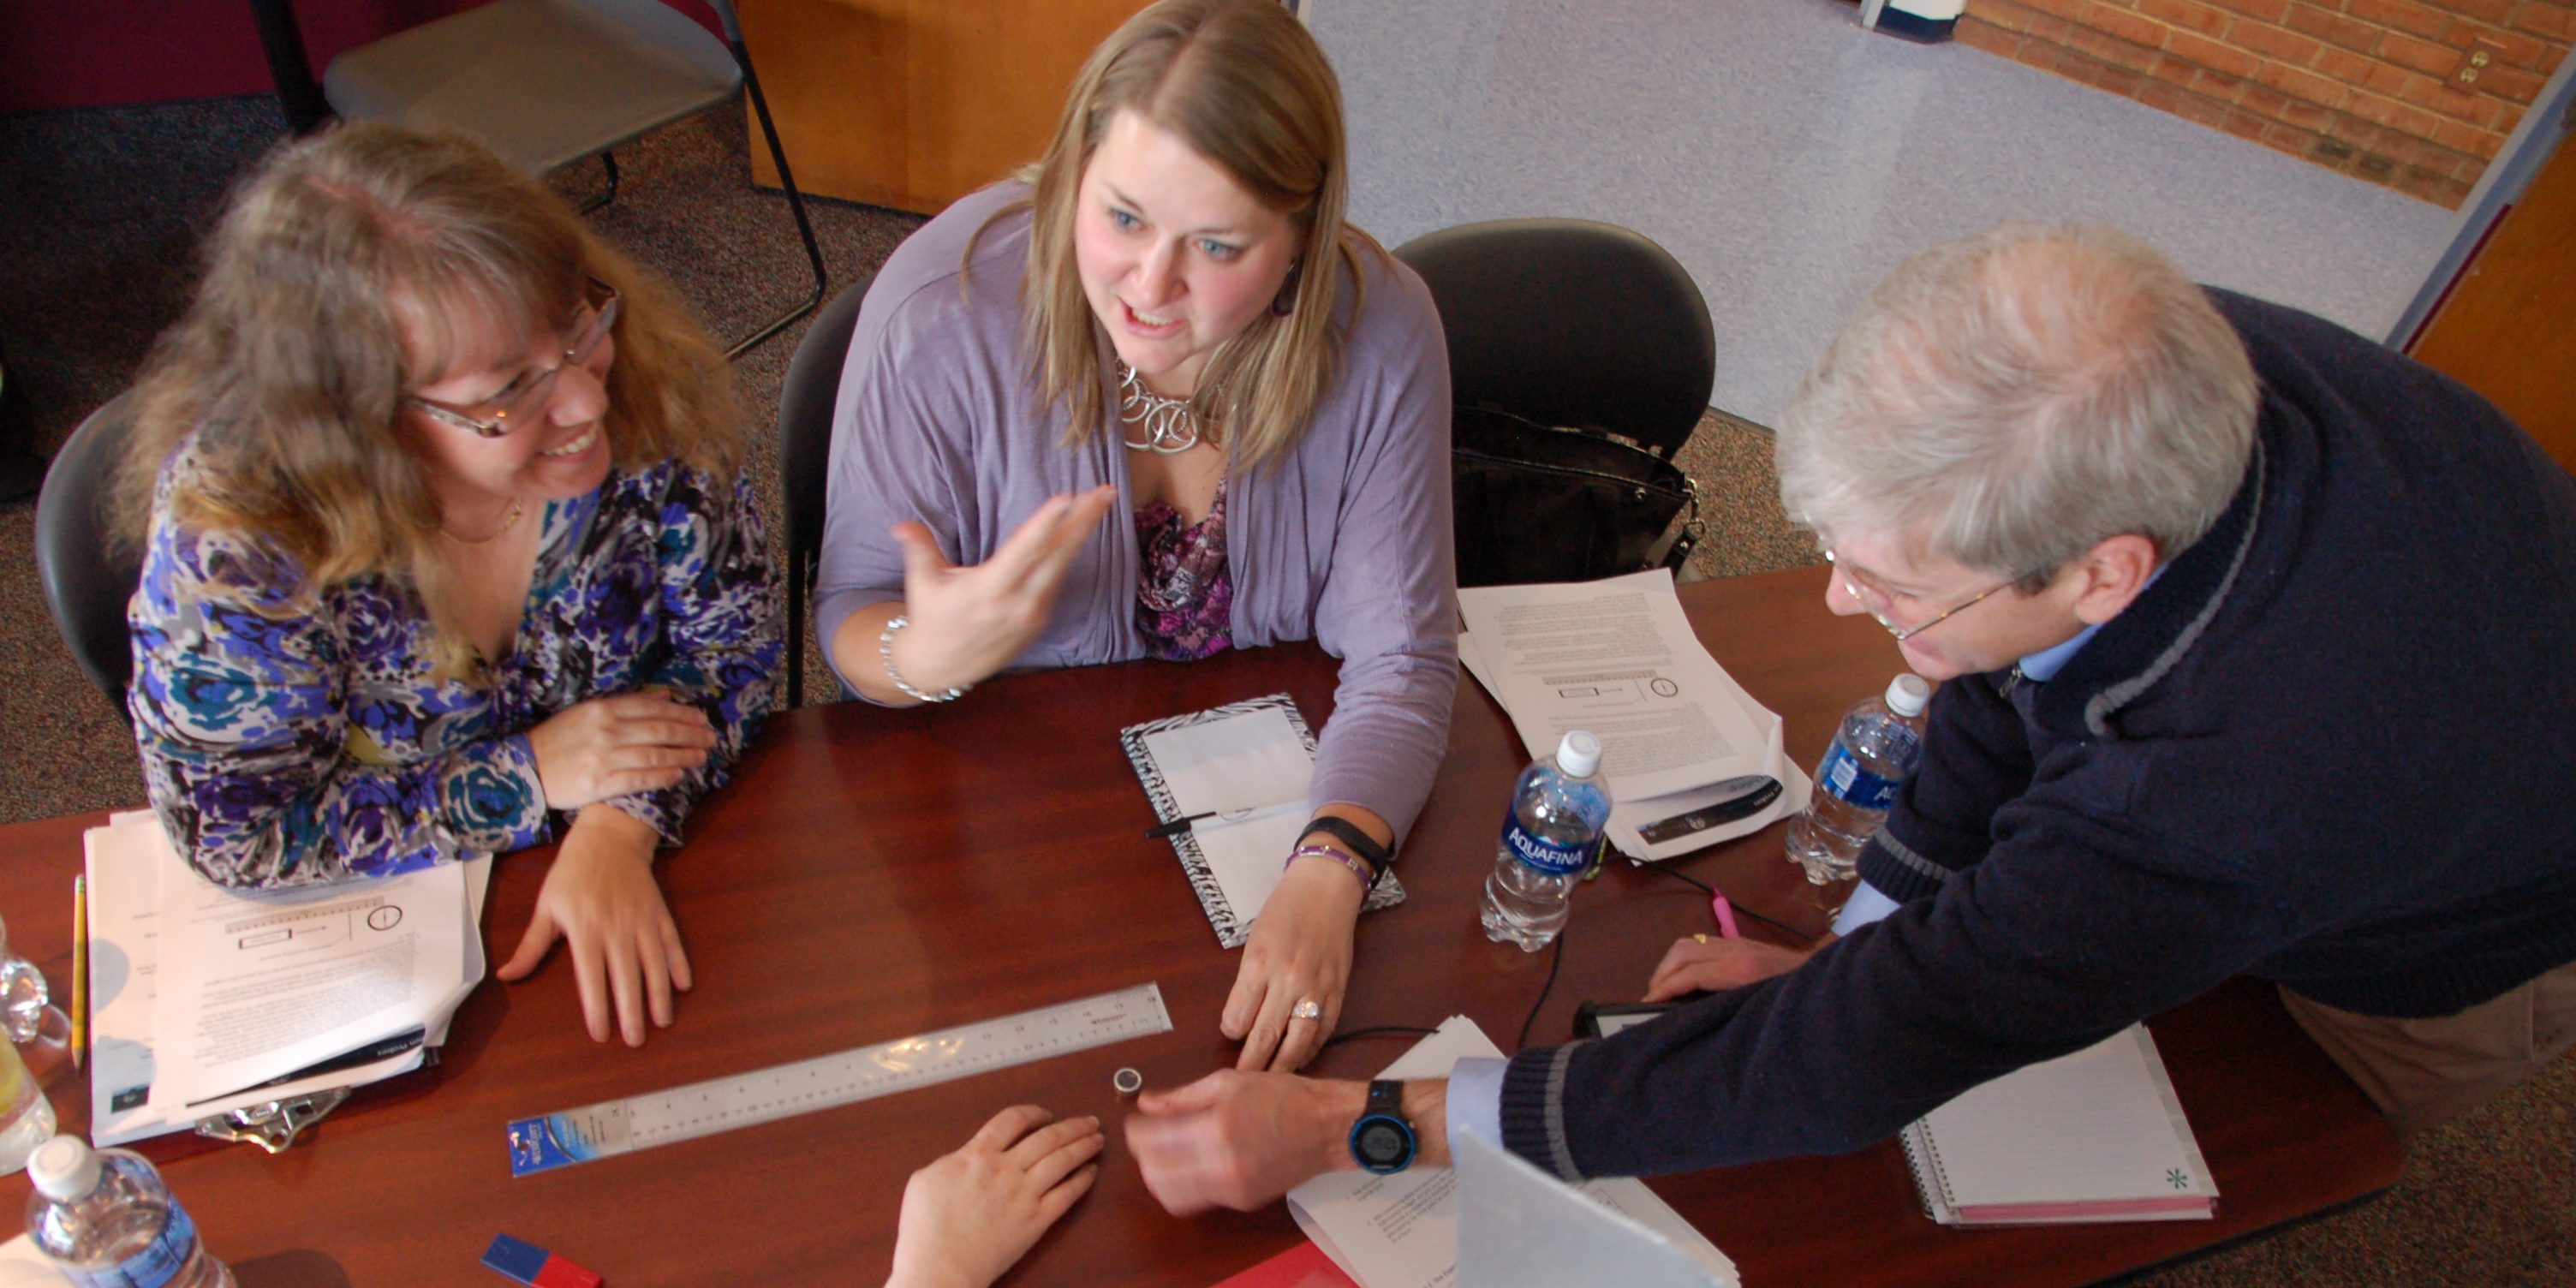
x,y
80,970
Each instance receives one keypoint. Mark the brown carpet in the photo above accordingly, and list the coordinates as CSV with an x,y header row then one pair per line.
x,y
99,210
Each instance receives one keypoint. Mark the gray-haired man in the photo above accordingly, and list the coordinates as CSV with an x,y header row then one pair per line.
x,y
2259,647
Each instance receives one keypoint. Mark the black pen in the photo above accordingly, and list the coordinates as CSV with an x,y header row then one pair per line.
x,y
1161,831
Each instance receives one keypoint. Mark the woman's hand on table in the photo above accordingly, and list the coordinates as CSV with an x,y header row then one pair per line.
x,y
1707,964
618,746
1300,948
963,623
601,900
969,1215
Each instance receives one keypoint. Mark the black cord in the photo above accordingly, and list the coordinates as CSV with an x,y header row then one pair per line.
x,y
1687,879
1556,959
1379,1031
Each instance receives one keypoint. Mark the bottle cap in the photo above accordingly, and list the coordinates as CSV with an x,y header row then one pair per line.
x,y
1578,755
1908,694
63,1168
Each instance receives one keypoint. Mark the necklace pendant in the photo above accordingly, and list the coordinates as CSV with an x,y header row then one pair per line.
x,y
1168,426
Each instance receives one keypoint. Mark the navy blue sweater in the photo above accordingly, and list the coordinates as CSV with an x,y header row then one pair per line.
x,y
2331,746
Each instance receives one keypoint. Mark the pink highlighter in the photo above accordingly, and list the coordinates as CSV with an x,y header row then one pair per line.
x,y
1725,916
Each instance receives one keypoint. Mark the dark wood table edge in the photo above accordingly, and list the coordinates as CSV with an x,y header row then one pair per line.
x,y
2263,1234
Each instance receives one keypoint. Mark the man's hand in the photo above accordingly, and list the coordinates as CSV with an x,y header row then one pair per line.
x,y
601,900
970,1214
1239,1140
1701,964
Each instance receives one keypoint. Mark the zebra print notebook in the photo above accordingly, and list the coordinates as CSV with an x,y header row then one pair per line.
x,y
1239,773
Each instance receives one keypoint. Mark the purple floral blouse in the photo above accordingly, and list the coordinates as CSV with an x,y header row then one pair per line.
x,y
287,742
1184,595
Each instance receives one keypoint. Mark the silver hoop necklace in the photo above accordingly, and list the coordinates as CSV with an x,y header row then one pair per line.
x,y
1169,426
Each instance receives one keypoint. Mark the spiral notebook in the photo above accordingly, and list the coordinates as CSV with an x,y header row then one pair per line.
x,y
2093,1136
1238,773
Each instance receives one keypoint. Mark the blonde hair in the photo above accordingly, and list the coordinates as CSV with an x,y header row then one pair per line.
x,y
291,365
2015,398
1246,87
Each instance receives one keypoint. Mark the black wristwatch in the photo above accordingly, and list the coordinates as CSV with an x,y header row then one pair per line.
x,y
1382,1140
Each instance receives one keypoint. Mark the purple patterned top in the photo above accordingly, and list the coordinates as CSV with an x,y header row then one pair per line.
x,y
290,740
1184,595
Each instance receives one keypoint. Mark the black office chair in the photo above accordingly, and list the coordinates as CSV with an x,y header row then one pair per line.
x,y
1573,325
545,83
87,576
805,402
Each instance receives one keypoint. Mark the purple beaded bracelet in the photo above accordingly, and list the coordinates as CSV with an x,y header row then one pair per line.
x,y
1358,869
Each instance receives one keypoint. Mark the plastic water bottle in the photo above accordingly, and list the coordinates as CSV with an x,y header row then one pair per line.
x,y
26,1117
1876,750
23,995
106,1221
1551,835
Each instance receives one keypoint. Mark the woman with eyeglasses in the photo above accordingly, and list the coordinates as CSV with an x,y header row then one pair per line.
x,y
447,552
1160,400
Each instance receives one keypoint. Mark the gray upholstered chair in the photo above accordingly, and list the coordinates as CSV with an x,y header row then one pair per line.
x,y
545,83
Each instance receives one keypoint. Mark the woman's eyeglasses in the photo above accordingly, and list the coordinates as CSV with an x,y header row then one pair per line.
x,y
525,399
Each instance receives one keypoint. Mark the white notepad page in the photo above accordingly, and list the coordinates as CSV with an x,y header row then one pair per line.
x,y
2099,1126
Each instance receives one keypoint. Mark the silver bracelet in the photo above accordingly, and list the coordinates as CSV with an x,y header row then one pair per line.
x,y
885,653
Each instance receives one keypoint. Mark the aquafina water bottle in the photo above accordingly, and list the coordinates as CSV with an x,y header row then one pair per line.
x,y
105,1220
1551,835
1875,751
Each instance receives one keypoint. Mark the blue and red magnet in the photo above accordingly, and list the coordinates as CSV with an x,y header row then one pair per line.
x,y
536,1267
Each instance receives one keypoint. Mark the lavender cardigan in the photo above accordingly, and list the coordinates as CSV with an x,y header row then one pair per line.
x,y
1345,540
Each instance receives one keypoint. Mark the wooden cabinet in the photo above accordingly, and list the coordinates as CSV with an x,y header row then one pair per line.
x,y
915,103
2509,328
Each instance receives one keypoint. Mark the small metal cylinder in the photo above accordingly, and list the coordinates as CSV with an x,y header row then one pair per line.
x,y
1127,1081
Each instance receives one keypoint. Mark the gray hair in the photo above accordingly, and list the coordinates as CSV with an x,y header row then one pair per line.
x,y
2016,397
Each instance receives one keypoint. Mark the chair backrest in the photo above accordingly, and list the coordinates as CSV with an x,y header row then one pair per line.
x,y
88,576
805,402
1572,323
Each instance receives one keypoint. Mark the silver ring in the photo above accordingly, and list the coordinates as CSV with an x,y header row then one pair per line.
x,y
1306,1008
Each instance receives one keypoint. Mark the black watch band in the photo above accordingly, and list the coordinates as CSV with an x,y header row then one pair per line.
x,y
1363,846
1382,1140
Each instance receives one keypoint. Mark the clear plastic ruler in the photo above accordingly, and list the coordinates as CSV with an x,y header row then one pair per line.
x,y
844,1077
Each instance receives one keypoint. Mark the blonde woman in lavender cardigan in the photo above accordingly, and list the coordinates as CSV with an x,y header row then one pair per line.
x,y
1159,400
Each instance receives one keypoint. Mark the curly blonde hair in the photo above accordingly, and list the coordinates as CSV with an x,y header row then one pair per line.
x,y
349,268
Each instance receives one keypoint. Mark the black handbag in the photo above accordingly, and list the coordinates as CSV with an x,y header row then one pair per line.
x,y
1539,504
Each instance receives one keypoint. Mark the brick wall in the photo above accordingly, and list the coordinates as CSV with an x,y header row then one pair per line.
x,y
2368,87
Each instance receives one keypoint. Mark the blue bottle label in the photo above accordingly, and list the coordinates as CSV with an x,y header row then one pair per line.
x,y
1843,775
1544,855
153,1265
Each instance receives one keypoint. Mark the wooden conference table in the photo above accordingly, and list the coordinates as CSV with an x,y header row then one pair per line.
x,y
873,874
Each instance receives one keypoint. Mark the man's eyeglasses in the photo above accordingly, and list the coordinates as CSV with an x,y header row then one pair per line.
x,y
1876,600
524,400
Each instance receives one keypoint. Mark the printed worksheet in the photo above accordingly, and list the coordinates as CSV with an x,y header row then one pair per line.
x,y
252,986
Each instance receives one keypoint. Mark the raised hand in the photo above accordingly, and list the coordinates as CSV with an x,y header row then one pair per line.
x,y
618,746
967,622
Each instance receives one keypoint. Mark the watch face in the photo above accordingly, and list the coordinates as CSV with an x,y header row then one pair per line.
x,y
1382,1143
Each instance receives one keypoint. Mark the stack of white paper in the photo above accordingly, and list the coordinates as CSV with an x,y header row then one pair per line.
x,y
204,1000
1401,1231
1617,657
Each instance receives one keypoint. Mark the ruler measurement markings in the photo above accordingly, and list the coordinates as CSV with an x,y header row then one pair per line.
x,y
827,1081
